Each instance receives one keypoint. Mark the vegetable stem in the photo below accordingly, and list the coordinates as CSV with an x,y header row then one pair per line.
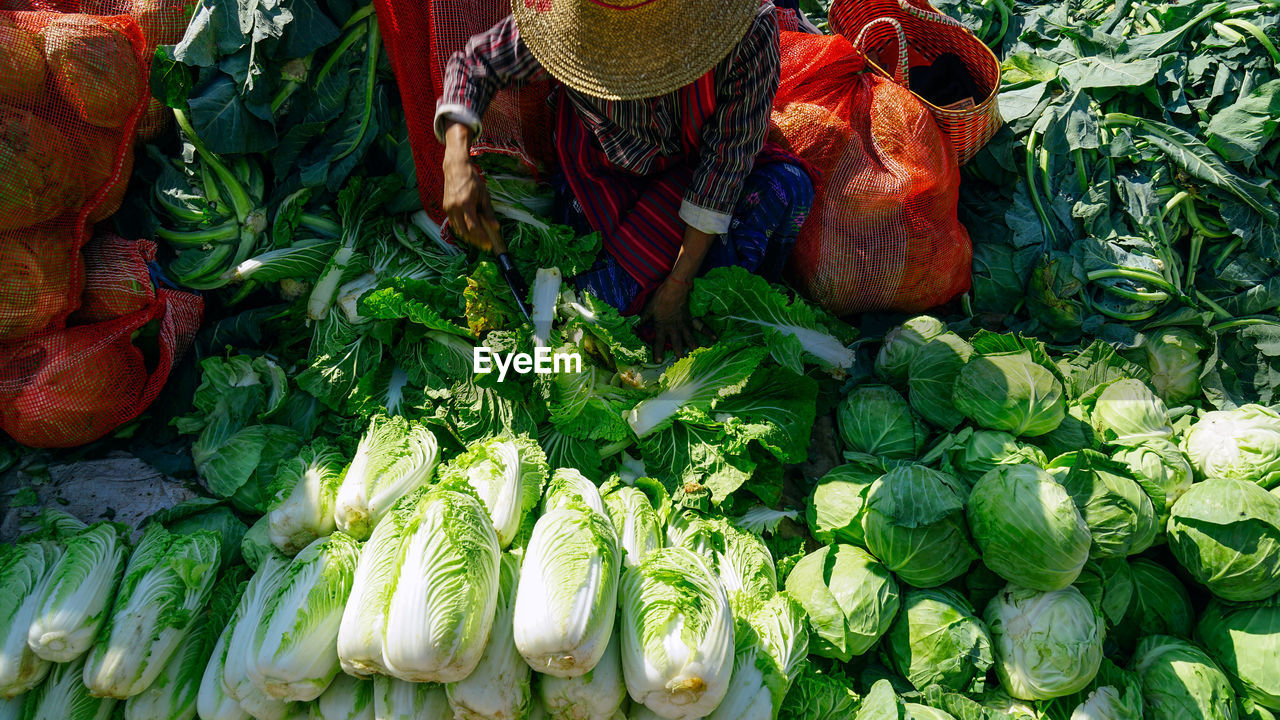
x,y
371,77
240,200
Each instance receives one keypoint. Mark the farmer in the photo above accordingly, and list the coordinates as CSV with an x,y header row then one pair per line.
x,y
660,113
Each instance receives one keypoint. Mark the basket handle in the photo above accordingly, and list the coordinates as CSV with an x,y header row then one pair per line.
x,y
899,73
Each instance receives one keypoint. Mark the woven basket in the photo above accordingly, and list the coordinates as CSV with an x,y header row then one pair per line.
x,y
928,34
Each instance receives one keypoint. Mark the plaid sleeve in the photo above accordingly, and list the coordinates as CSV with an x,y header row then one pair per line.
x,y
736,130
491,61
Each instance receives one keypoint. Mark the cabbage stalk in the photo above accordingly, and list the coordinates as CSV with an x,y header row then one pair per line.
x,y
677,635
597,695
772,641
297,654
636,521
508,473
64,697
24,572
498,689
394,456
167,583
76,600
440,614
304,508
346,698
568,591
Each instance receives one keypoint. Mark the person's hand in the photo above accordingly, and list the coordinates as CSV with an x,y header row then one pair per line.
x,y
466,199
668,308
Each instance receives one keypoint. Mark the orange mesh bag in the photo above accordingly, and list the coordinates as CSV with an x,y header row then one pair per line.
x,y
420,36
72,88
883,232
73,386
929,34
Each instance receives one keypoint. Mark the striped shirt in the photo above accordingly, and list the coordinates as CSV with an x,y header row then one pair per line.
x,y
634,133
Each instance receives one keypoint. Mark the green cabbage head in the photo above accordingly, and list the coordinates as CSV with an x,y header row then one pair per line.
x,y
1127,413
1181,682
1010,392
1173,357
877,420
937,640
851,599
1119,514
901,345
1226,533
1245,640
834,511
977,452
915,524
1047,644
1158,605
1027,528
1240,444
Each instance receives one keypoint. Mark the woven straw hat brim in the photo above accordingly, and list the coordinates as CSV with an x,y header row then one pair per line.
x,y
642,52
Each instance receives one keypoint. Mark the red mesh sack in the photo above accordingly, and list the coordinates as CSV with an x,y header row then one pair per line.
x,y
420,37
883,232
70,387
117,278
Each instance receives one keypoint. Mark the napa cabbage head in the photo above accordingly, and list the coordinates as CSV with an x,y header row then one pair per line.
x,y
1127,413
297,654
677,635
694,382
442,609
304,506
399,700
1027,527
850,597
62,696
1226,533
24,569
507,473
166,584
772,640
569,485
915,524
499,687
364,619
174,694
241,650
77,597
637,512
346,698
1011,392
598,695
212,700
568,591
1239,444
877,420
394,456
1047,644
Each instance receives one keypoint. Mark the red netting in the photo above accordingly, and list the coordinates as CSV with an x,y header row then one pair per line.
x,y
117,280
73,89
420,38
883,232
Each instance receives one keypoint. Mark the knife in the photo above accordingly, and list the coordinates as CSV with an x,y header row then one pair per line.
x,y
506,266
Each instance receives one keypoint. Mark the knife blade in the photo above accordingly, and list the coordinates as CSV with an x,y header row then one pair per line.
x,y
506,266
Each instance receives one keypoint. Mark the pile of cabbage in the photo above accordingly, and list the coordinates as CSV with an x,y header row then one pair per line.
x,y
1012,535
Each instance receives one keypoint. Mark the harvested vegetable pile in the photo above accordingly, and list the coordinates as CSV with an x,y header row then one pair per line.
x,y
1060,501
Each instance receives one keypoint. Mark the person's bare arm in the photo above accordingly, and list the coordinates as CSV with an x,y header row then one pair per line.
x,y
668,307
466,199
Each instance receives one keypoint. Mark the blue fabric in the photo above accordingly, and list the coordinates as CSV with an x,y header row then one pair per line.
x,y
775,201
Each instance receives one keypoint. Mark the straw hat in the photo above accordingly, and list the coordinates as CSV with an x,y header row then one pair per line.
x,y
631,49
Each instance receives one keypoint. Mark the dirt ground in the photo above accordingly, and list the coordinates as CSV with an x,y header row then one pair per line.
x,y
119,487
